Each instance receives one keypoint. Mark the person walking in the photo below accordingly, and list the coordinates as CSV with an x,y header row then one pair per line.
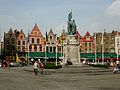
x,y
36,65
117,64
41,66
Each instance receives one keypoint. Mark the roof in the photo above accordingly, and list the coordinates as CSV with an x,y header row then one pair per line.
x,y
36,29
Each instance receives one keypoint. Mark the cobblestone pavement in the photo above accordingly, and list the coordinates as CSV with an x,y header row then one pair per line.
x,y
80,78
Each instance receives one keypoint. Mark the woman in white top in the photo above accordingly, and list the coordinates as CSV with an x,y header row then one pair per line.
x,y
36,65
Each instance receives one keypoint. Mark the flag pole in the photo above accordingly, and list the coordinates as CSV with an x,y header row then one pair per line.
x,y
102,49
28,48
45,53
117,45
45,46
95,49
28,53
56,50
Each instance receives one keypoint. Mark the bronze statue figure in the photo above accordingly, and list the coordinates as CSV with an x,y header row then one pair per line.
x,y
71,25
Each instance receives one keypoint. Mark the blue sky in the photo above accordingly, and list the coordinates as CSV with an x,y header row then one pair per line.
x,y
90,15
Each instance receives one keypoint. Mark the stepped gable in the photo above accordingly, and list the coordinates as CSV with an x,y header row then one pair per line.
x,y
21,33
51,32
78,34
36,29
87,37
10,34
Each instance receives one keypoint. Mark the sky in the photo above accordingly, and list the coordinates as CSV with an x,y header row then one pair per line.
x,y
89,15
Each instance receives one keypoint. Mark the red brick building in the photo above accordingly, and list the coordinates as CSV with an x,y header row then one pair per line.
x,y
87,44
36,40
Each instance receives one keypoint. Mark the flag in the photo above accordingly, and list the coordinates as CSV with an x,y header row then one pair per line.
x,y
46,36
17,58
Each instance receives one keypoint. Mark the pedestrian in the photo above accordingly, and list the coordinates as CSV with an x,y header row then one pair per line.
x,y
41,66
4,64
36,65
117,63
7,63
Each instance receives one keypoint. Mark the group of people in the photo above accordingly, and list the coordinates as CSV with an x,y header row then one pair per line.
x,y
113,63
38,65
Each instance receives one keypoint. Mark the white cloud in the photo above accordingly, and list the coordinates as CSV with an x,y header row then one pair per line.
x,y
114,8
108,20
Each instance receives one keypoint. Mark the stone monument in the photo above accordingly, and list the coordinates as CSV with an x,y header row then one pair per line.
x,y
71,44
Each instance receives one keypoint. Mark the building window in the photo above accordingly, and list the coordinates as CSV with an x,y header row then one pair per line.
x,y
35,48
86,44
19,49
50,37
19,42
35,33
54,49
40,47
23,42
59,48
90,50
50,49
47,50
33,40
85,50
38,40
89,44
21,37
23,48
87,38
30,48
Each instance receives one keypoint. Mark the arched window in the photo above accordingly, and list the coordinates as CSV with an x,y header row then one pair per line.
x,y
19,42
33,40
38,40
40,47
21,37
35,48
50,37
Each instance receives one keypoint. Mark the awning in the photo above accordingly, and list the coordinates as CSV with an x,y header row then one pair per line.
x,y
43,55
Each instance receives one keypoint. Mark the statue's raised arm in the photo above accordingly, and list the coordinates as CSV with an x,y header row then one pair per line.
x,y
70,16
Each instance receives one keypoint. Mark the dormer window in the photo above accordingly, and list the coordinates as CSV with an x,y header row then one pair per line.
x,y
35,33
51,37
87,38
21,37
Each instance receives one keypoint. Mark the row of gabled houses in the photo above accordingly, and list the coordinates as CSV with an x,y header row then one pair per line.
x,y
17,46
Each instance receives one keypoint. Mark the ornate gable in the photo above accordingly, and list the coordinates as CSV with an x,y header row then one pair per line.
x,y
36,32
21,35
87,37
79,36
51,37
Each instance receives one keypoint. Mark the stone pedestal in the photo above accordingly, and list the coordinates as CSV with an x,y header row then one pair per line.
x,y
71,50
